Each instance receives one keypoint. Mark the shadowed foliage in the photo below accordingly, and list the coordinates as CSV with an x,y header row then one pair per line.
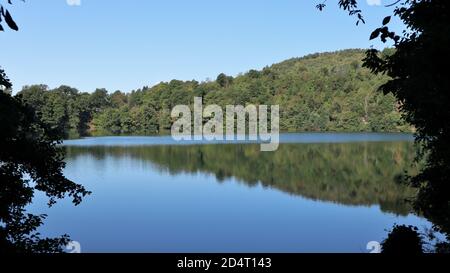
x,y
421,86
403,240
29,160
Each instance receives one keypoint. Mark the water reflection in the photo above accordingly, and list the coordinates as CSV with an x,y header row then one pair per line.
x,y
345,173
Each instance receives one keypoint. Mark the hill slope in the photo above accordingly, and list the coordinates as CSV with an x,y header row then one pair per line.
x,y
318,92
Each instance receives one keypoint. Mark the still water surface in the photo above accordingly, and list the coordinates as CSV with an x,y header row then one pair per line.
x,y
317,193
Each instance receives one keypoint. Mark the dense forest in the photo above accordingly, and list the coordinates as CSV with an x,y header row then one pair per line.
x,y
318,92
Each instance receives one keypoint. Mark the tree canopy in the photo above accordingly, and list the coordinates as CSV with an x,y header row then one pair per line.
x,y
316,98
420,85
318,92
30,160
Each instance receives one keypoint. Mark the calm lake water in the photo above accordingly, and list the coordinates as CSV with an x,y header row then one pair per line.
x,y
317,193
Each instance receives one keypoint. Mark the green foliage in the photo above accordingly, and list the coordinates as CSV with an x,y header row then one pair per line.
x,y
319,92
224,80
65,110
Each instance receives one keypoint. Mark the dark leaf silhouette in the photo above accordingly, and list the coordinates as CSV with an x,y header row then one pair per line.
x,y
375,34
403,240
9,20
421,86
28,148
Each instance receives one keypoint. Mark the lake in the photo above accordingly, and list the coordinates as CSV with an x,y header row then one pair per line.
x,y
319,192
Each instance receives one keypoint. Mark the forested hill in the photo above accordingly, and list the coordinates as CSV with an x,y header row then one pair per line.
x,y
318,92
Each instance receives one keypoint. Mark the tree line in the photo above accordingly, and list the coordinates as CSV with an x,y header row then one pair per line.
x,y
318,92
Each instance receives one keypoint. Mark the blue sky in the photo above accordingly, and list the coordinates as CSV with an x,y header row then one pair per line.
x,y
118,44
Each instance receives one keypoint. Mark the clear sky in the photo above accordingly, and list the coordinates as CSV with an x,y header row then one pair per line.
x,y
124,45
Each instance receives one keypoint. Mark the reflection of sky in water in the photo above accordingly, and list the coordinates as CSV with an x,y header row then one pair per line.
x,y
284,138
137,205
